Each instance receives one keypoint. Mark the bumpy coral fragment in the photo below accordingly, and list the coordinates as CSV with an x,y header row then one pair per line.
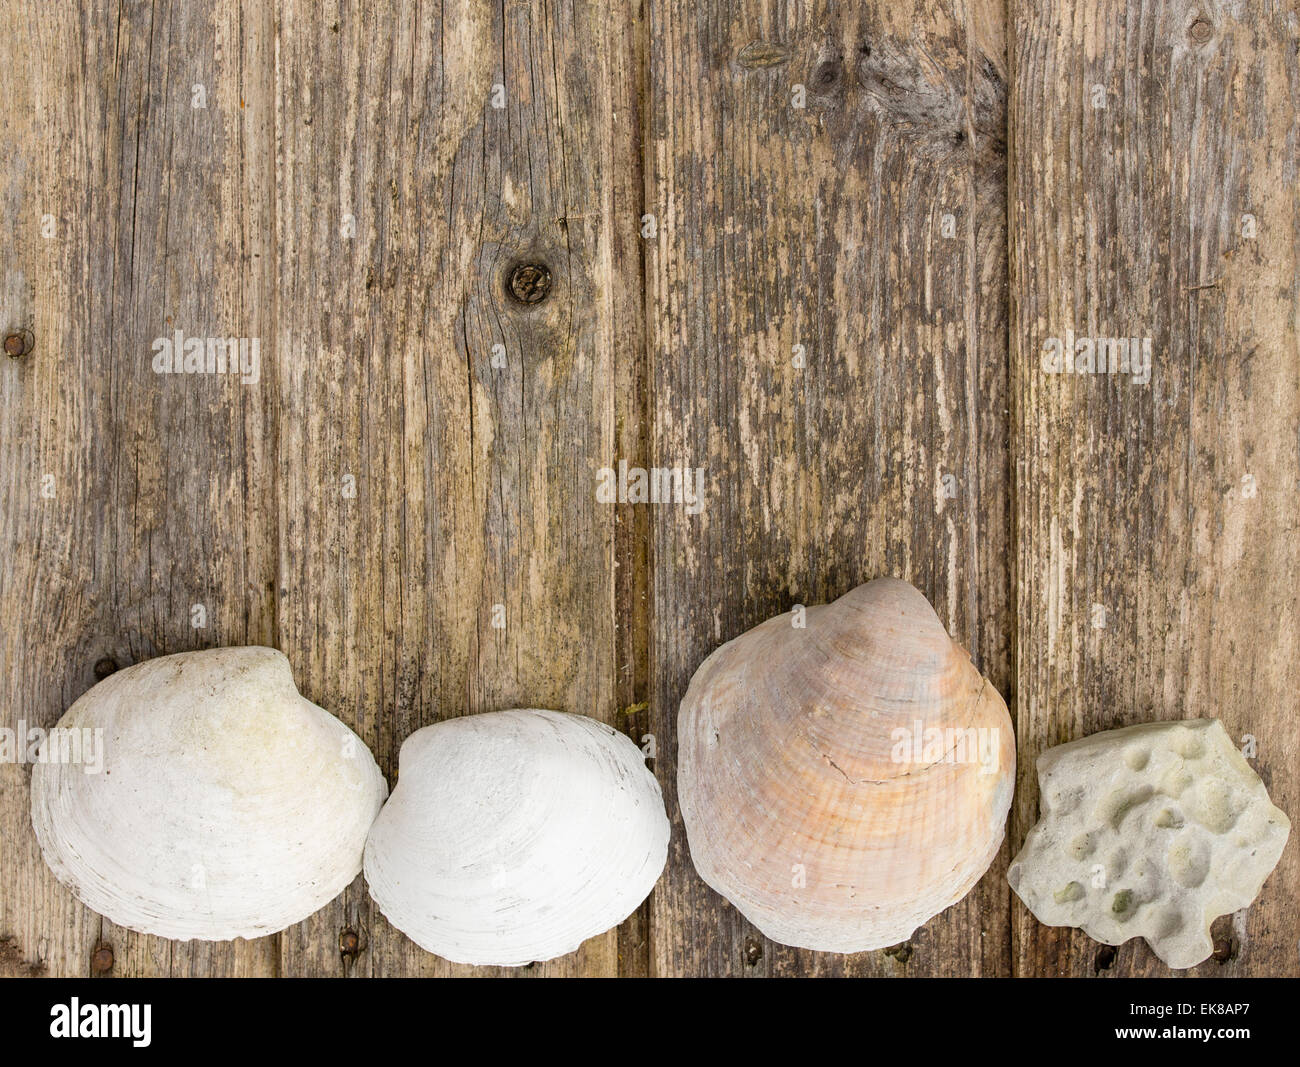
x,y
1150,831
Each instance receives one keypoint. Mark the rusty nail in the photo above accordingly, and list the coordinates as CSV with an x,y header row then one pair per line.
x,y
349,943
105,667
15,345
101,961
530,282
1201,30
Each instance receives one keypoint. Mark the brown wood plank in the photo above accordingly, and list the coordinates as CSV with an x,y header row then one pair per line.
x,y
383,486
823,226
162,485
625,40
474,483
1156,523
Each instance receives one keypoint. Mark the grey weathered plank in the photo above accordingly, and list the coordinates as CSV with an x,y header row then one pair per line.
x,y
821,226
161,483
1156,523
824,227
474,484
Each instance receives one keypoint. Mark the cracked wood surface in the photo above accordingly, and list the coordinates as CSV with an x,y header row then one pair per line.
x,y
887,453
1157,523
417,461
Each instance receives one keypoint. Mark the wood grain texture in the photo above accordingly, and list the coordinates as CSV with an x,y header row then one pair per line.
x,y
1156,523
823,226
472,568
134,214
393,484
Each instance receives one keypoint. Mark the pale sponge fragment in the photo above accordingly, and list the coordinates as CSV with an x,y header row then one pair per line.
x,y
1150,831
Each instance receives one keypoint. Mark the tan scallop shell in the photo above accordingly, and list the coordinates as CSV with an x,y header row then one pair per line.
x,y
843,782
227,805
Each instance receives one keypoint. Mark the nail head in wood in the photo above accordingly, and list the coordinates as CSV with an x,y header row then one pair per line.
x,y
827,75
105,667
530,282
101,961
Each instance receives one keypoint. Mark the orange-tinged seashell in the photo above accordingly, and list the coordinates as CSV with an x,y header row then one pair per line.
x,y
844,781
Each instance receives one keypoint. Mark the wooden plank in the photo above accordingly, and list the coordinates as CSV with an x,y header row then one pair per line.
x,y
422,485
824,227
350,196
133,213
624,40
1153,172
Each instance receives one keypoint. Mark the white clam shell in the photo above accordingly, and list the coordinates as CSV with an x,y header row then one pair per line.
x,y
227,805
514,836
843,782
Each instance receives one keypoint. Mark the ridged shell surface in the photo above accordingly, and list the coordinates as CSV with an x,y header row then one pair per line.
x,y
227,805
844,781
514,836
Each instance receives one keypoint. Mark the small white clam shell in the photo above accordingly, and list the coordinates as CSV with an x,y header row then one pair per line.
x,y
227,805
514,836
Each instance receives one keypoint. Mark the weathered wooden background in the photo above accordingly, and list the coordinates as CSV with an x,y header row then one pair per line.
x,y
838,309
